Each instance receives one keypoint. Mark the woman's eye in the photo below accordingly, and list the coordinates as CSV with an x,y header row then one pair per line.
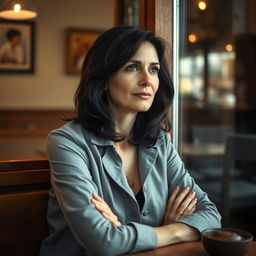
x,y
132,68
154,70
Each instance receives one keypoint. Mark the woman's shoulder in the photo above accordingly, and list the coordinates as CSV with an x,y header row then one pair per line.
x,y
71,130
164,142
164,137
70,127
76,132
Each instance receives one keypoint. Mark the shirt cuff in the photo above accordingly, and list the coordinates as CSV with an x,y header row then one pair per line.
x,y
146,237
201,225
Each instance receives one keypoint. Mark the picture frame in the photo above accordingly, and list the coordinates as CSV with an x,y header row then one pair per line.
x,y
79,41
130,12
17,43
127,12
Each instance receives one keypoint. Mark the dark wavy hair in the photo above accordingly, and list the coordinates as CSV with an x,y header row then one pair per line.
x,y
12,33
109,53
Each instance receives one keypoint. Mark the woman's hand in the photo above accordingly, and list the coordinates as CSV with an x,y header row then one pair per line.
x,y
180,206
105,210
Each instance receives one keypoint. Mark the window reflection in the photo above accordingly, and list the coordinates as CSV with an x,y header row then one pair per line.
x,y
191,72
220,77
217,96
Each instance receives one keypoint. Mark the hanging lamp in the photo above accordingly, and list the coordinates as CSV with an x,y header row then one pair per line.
x,y
17,10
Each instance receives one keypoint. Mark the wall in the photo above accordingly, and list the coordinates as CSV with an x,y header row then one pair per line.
x,y
49,87
251,8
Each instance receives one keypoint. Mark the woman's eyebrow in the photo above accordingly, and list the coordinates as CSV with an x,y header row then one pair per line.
x,y
139,62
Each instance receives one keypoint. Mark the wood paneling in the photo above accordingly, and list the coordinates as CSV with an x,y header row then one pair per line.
x,y
29,164
24,193
24,177
23,222
164,24
31,122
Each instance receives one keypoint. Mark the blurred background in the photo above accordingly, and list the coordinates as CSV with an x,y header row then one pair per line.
x,y
217,107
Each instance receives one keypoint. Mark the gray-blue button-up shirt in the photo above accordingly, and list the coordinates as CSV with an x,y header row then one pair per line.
x,y
82,163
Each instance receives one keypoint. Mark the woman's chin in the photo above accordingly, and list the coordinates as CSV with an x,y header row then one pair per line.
x,y
143,108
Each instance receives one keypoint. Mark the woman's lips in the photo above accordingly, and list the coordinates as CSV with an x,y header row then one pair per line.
x,y
142,95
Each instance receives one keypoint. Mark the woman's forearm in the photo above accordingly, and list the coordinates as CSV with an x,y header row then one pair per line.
x,y
167,234
175,233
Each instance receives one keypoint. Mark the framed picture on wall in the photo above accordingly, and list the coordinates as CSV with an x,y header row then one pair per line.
x,y
17,46
127,12
78,43
130,10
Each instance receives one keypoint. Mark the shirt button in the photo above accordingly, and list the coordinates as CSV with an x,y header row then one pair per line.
x,y
145,213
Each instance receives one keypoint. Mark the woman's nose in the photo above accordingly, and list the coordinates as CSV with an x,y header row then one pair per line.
x,y
145,80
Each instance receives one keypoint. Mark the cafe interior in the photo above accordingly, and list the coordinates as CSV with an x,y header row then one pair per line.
x,y
212,58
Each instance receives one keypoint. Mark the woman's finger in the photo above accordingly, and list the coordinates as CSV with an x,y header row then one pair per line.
x,y
100,206
113,219
180,205
170,203
190,208
179,199
97,197
109,215
105,210
173,213
186,203
173,196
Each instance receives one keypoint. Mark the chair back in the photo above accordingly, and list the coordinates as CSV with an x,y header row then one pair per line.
x,y
239,148
211,134
210,166
242,147
24,193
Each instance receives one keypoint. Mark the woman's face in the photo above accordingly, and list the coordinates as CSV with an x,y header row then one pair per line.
x,y
16,40
133,87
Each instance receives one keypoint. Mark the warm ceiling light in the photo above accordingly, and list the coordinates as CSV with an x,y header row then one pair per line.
x,y
229,47
17,10
192,38
202,5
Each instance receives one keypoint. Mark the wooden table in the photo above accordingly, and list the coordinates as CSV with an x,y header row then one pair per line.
x,y
185,249
203,149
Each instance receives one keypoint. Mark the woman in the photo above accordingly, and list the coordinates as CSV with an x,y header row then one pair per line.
x,y
118,185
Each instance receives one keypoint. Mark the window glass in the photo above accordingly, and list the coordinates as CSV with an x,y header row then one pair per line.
x,y
217,63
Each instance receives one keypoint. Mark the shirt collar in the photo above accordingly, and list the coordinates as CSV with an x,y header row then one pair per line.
x,y
99,141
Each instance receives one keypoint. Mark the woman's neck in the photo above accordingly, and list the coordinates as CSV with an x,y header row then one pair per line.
x,y
124,123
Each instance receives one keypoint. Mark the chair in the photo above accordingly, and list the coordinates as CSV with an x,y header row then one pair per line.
x,y
234,191
210,167
211,134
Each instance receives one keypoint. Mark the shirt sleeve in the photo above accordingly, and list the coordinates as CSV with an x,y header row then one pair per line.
x,y
73,186
206,214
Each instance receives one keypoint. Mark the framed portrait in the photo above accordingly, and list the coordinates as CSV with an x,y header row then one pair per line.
x,y
17,46
78,43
